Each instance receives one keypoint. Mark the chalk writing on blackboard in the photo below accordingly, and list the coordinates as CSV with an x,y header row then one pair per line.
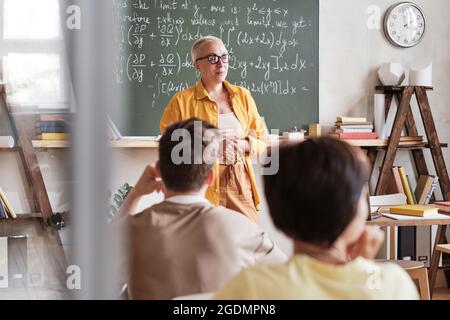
x,y
266,40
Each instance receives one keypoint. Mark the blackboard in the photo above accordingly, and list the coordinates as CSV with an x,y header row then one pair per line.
x,y
274,46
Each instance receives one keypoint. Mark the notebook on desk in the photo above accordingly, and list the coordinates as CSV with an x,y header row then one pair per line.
x,y
116,135
428,216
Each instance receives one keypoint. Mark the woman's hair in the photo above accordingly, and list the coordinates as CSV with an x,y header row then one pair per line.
x,y
315,193
198,43
187,152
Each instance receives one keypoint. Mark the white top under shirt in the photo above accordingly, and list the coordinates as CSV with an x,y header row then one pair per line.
x,y
229,125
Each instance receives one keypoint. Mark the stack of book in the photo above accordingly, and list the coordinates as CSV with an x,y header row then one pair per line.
x,y
410,140
353,128
6,210
443,206
52,127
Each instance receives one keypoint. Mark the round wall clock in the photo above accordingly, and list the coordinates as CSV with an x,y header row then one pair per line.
x,y
404,24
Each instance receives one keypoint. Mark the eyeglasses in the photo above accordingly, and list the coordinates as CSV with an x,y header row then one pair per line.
x,y
214,58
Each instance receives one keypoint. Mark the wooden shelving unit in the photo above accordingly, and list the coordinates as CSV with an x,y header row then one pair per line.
x,y
34,186
404,119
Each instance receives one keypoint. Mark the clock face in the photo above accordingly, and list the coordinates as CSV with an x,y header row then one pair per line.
x,y
404,24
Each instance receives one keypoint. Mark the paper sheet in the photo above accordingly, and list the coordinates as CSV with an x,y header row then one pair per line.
x,y
428,216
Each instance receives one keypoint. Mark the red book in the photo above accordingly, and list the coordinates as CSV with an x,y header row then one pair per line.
x,y
52,117
444,206
358,135
443,203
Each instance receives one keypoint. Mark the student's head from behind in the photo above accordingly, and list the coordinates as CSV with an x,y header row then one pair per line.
x,y
187,152
319,191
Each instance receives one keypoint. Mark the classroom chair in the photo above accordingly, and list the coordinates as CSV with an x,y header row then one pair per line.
x,y
442,248
417,271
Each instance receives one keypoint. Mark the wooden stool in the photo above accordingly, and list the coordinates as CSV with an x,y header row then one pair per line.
x,y
443,248
417,271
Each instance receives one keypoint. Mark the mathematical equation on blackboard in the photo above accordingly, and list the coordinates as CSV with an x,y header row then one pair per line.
x,y
265,42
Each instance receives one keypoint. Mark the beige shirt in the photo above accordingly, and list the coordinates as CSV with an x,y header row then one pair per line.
x,y
185,245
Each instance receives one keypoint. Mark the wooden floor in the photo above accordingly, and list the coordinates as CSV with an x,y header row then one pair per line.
x,y
32,262
441,294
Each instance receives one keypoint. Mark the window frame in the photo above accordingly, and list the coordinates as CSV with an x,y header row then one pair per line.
x,y
38,46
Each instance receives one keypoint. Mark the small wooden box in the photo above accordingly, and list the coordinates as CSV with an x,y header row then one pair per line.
x,y
314,130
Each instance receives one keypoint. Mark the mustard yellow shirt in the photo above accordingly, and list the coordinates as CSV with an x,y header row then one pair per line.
x,y
303,277
195,102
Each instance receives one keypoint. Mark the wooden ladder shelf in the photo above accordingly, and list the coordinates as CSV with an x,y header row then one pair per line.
x,y
35,187
404,119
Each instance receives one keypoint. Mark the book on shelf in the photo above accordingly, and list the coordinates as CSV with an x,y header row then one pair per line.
x,y
431,191
406,185
51,124
8,208
424,185
349,130
443,206
410,188
397,180
416,210
411,138
41,130
354,135
53,136
53,117
351,119
365,123
354,126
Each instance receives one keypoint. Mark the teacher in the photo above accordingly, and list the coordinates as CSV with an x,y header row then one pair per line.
x,y
231,109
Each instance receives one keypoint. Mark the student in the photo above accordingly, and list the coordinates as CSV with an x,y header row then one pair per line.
x,y
185,245
319,199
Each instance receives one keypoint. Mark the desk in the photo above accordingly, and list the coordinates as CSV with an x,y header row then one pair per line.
x,y
440,237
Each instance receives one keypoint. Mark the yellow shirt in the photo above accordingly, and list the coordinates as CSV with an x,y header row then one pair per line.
x,y
303,277
195,102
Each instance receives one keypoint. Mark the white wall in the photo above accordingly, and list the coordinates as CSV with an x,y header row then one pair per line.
x,y
350,54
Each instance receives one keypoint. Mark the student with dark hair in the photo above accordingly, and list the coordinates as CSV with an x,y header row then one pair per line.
x,y
319,199
185,245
